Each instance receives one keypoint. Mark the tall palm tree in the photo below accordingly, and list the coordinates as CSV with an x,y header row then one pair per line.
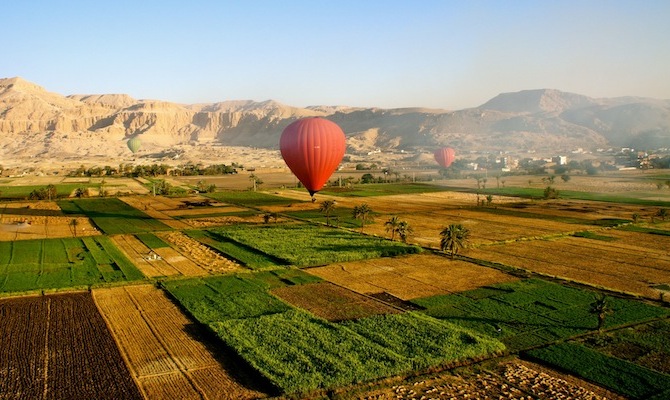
x,y
327,207
404,230
363,212
392,225
600,308
74,223
453,238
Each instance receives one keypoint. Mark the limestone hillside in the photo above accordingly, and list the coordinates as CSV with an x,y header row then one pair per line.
x,y
38,123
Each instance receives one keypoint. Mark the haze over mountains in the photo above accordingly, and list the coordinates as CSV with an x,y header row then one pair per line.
x,y
37,123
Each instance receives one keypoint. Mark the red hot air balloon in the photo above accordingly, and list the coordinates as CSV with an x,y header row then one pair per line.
x,y
312,148
445,156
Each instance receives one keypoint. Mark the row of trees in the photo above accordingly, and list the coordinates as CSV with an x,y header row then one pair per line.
x,y
130,170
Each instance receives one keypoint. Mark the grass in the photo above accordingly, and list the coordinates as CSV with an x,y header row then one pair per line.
x,y
340,217
29,265
300,353
621,376
309,245
641,229
251,199
383,189
594,236
532,312
151,241
22,192
244,254
113,216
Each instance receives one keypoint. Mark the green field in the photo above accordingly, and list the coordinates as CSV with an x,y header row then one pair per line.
x,y
622,376
61,263
382,189
251,199
533,312
299,352
151,241
23,192
309,245
112,215
246,255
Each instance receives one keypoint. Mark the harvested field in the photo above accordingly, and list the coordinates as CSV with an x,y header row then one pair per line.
x,y
164,261
204,256
40,220
168,354
508,380
155,209
332,302
633,265
58,347
410,277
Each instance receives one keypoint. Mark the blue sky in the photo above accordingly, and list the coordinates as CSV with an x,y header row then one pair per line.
x,y
367,53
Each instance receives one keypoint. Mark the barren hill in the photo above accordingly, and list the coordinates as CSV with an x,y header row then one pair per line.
x,y
38,123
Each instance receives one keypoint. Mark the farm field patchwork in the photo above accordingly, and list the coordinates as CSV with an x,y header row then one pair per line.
x,y
332,302
622,376
169,356
309,245
208,259
60,263
58,347
113,216
411,276
40,220
533,312
160,260
300,353
615,264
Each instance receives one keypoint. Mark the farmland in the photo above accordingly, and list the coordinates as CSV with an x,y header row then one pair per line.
x,y
61,263
204,298
59,347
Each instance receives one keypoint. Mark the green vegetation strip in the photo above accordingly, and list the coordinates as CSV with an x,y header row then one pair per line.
x,y
23,192
533,312
113,216
151,241
300,353
642,229
246,255
383,189
619,375
251,199
29,265
594,236
309,245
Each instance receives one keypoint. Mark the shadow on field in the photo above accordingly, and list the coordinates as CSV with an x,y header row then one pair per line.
x,y
236,366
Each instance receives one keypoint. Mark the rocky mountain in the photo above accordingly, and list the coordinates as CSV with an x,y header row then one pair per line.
x,y
35,122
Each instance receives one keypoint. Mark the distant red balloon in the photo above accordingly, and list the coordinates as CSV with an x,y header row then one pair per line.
x,y
312,148
445,156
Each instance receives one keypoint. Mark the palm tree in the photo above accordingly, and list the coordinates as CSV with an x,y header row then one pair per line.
x,y
363,212
453,238
327,207
74,223
601,309
662,213
404,230
392,225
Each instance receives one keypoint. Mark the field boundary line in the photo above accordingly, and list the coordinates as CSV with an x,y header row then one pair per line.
x,y
122,350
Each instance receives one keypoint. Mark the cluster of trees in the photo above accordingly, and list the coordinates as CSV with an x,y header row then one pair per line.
x,y
46,193
130,170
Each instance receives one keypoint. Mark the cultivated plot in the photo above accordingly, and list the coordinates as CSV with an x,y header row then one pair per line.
x,y
58,347
631,262
169,355
40,220
410,277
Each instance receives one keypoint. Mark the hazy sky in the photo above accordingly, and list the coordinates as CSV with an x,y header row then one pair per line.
x,y
381,53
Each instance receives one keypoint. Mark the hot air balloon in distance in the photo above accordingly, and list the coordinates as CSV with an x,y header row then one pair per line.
x,y
134,144
445,156
312,148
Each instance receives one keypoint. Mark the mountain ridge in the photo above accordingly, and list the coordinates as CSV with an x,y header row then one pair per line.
x,y
35,122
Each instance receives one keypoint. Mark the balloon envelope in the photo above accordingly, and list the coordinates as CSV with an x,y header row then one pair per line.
x,y
312,148
134,144
445,156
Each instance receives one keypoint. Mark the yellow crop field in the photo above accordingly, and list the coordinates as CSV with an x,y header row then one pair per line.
x,y
167,358
410,277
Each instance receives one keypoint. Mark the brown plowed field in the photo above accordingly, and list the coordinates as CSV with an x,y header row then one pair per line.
x,y
626,265
59,347
168,355
410,277
332,302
